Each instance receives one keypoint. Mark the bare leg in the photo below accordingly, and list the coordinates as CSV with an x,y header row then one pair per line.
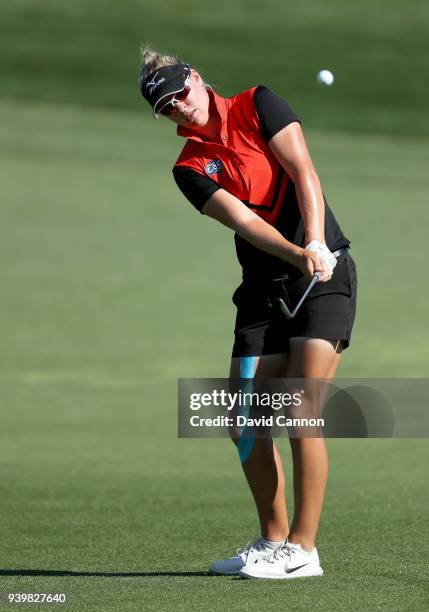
x,y
263,469
309,358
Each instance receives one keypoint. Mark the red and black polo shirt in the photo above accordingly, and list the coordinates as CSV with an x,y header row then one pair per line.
x,y
242,163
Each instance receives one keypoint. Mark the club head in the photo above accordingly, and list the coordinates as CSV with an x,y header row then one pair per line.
x,y
283,307
280,304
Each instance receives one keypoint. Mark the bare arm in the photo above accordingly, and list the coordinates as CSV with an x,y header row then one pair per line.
x,y
230,211
290,149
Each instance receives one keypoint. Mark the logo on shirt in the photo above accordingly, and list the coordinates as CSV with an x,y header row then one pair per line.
x,y
213,167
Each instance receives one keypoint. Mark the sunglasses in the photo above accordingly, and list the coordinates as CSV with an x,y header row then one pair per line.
x,y
170,107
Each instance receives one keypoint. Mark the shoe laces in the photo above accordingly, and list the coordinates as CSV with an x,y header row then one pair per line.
x,y
256,544
280,553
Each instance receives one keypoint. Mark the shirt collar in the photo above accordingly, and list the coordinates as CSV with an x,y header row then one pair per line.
x,y
219,105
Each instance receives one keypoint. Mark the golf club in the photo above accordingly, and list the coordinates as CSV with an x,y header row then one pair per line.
x,y
284,309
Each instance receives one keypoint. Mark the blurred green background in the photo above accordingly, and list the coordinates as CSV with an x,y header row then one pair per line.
x,y
113,287
86,53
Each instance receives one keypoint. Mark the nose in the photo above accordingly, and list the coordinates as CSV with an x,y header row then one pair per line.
x,y
180,106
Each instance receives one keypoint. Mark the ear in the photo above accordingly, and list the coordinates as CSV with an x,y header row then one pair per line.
x,y
195,76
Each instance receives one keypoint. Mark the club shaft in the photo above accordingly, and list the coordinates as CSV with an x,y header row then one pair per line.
x,y
314,280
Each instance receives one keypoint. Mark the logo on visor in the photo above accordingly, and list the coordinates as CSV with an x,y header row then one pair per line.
x,y
213,167
152,85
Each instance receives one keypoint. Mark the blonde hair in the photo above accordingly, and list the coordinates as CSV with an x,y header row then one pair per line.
x,y
152,60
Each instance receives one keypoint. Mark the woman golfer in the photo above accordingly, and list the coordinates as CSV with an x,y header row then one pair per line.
x,y
245,163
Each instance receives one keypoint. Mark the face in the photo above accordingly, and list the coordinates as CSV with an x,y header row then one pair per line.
x,y
193,110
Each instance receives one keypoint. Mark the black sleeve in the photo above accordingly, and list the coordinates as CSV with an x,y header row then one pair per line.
x,y
273,112
196,187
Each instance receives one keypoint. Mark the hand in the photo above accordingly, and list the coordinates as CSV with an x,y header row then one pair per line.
x,y
324,254
309,263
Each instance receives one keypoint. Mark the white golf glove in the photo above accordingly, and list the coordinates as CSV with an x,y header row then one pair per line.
x,y
323,253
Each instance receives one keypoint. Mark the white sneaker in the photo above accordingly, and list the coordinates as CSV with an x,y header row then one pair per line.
x,y
246,556
286,562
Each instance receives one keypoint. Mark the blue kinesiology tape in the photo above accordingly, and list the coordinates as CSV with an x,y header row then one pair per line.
x,y
245,444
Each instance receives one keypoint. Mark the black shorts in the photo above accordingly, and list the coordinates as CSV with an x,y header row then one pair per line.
x,y
328,312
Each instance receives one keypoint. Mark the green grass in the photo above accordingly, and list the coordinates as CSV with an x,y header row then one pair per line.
x,y
112,288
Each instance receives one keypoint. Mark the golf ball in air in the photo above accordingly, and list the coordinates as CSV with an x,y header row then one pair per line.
x,y
325,77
